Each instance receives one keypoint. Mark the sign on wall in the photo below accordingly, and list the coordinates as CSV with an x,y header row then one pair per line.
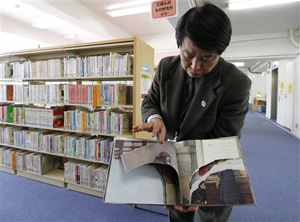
x,y
164,9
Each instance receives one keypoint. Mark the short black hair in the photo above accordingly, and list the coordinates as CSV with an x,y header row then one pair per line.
x,y
207,26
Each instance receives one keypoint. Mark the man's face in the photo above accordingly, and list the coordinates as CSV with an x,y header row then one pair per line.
x,y
195,61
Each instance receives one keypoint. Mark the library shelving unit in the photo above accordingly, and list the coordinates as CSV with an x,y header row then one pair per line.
x,y
127,62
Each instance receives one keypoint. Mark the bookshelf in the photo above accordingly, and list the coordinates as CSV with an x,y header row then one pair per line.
x,y
7,169
84,72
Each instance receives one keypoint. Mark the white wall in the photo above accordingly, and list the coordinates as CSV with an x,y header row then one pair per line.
x,y
285,109
296,118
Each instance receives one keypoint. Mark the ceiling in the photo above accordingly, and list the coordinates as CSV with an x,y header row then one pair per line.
x,y
86,20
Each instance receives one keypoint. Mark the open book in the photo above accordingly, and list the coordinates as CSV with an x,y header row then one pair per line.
x,y
195,172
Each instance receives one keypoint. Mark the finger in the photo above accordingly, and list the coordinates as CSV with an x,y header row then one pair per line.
x,y
135,129
145,127
155,131
162,135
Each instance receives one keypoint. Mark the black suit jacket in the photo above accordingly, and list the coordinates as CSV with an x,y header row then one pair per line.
x,y
218,109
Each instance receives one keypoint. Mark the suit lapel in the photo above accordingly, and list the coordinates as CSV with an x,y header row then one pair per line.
x,y
174,89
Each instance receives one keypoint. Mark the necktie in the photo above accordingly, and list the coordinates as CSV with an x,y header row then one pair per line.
x,y
189,91
187,96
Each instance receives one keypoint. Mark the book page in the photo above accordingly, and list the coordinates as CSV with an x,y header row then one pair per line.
x,y
187,164
143,185
223,148
151,153
199,153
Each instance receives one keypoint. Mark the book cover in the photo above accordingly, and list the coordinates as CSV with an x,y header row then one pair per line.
x,y
9,92
129,95
197,172
121,93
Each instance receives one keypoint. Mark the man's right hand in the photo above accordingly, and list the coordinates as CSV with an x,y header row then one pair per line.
x,y
156,126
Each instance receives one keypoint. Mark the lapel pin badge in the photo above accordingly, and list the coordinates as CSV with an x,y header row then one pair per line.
x,y
203,103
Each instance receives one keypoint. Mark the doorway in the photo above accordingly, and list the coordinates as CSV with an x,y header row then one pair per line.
x,y
274,93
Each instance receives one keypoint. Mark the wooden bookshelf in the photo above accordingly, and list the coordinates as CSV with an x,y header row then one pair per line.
x,y
102,78
143,63
86,190
7,169
65,130
55,177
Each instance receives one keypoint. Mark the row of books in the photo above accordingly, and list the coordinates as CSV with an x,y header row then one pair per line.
x,y
51,68
100,94
49,93
96,95
88,147
92,175
21,93
32,93
7,134
110,121
40,140
67,144
112,64
35,162
28,161
52,117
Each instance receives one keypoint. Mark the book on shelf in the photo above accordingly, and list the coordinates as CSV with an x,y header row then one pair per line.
x,y
6,70
129,95
96,94
208,172
121,91
9,92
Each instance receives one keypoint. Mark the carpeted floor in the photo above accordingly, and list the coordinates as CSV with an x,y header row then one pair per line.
x,y
272,159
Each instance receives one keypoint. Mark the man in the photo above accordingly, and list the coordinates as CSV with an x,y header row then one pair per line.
x,y
197,95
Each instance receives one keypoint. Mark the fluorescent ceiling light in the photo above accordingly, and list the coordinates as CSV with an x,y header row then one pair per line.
x,y
128,4
236,5
238,64
49,22
130,11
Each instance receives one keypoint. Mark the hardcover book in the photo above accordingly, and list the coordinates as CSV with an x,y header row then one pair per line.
x,y
208,172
